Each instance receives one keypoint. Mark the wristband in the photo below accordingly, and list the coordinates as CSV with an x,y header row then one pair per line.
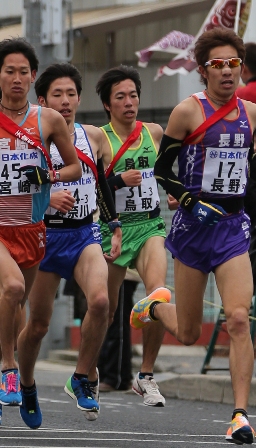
x,y
114,224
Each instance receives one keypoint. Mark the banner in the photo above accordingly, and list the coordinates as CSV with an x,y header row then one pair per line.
x,y
173,42
222,14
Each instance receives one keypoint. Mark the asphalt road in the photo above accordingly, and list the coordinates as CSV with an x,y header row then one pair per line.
x,y
123,422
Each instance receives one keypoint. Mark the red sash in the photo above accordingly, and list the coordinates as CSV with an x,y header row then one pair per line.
x,y
128,142
14,129
88,162
216,116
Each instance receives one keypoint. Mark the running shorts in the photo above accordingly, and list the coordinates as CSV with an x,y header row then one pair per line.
x,y
203,247
64,247
25,243
134,236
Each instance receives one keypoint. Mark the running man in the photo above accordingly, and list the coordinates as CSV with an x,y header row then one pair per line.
x,y
73,248
137,203
210,231
26,176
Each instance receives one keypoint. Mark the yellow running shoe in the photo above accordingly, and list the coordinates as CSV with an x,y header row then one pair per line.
x,y
240,431
140,312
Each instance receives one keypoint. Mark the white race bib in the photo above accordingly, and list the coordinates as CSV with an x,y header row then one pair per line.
x,y
144,198
225,171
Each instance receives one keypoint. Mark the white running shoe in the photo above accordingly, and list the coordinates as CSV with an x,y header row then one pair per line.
x,y
96,395
149,390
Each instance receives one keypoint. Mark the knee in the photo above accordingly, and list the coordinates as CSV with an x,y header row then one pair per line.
x,y
238,322
99,307
189,336
38,329
13,291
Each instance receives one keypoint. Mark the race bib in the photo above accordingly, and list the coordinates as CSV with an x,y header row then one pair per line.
x,y
12,181
225,171
138,199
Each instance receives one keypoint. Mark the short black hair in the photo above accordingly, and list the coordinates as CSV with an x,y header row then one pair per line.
x,y
19,45
56,71
250,57
114,76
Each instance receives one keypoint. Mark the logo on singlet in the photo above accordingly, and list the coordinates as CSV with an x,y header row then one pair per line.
x,y
146,149
30,130
243,124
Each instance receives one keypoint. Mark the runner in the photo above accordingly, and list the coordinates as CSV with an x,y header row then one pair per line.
x,y
137,203
26,176
210,231
73,248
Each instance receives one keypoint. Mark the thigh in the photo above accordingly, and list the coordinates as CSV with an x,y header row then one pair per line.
x,y
235,284
190,287
42,295
151,263
116,275
91,272
9,270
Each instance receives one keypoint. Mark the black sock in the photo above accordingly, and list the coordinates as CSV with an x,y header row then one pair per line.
x,y
239,411
151,309
28,389
80,376
143,374
9,370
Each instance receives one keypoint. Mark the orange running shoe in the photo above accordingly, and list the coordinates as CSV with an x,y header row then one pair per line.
x,y
240,431
140,312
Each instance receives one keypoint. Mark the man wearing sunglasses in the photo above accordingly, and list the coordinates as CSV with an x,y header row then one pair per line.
x,y
210,231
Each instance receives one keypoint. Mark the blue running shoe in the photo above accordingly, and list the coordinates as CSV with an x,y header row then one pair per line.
x,y
10,388
80,391
30,411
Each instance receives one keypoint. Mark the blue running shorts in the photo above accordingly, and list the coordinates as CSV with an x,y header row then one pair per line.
x,y
204,248
64,247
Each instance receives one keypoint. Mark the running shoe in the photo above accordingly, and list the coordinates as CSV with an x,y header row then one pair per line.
x,y
140,312
240,431
30,411
149,390
93,415
10,388
80,391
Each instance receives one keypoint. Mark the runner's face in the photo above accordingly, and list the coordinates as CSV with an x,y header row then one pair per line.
x,y
124,102
222,82
16,77
62,96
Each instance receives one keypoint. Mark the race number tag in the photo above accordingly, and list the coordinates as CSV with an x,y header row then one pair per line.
x,y
12,181
225,171
139,199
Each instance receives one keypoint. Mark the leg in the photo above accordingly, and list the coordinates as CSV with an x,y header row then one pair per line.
x,y
151,264
41,300
12,291
187,326
234,280
91,275
152,255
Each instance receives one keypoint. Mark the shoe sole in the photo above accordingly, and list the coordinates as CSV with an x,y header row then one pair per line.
x,y
160,404
159,293
79,407
13,403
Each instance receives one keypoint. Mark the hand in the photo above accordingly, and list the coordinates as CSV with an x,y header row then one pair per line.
x,y
173,204
36,175
208,214
132,178
116,243
62,201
